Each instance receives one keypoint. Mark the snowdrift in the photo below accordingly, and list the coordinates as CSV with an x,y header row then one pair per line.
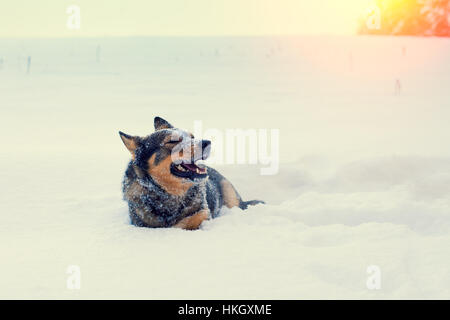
x,y
364,175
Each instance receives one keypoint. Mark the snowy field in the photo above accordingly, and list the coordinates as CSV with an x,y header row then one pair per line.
x,y
364,176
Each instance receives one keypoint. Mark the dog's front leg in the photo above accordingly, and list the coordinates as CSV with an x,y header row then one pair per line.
x,y
194,221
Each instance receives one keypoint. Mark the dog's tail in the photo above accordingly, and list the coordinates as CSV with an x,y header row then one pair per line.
x,y
244,204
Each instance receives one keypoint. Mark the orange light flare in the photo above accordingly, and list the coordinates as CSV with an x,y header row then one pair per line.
x,y
339,51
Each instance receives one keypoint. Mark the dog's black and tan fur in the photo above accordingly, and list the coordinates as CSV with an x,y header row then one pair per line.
x,y
165,187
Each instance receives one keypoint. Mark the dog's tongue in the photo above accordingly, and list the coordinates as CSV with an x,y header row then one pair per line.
x,y
190,166
193,167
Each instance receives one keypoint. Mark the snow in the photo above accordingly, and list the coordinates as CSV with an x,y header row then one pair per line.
x,y
364,177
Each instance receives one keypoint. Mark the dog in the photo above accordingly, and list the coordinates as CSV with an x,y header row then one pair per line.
x,y
166,186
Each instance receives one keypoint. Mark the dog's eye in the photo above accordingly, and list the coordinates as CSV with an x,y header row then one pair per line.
x,y
175,139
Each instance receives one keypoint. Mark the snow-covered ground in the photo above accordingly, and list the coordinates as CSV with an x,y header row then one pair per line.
x,y
364,176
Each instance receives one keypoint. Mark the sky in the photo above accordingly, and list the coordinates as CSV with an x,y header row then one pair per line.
x,y
49,18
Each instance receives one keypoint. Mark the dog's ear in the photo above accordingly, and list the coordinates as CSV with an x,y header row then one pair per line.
x,y
130,142
160,123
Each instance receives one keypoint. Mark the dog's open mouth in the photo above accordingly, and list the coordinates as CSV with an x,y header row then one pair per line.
x,y
188,170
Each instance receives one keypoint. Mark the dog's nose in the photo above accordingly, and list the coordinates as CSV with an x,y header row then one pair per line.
x,y
206,149
205,144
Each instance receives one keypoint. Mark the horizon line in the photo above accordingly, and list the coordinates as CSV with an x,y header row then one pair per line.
x,y
184,36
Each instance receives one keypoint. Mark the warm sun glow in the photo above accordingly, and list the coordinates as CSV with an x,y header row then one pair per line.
x,y
47,18
342,17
